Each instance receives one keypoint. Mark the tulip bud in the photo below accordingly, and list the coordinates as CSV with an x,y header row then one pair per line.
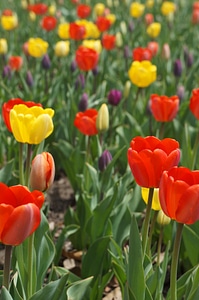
x,y
102,121
177,68
29,79
42,172
95,71
7,73
83,104
166,53
180,92
46,62
127,88
80,81
162,219
114,97
104,160
73,66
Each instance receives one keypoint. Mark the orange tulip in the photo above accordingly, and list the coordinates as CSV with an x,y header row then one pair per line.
x,y
86,58
15,62
86,121
194,103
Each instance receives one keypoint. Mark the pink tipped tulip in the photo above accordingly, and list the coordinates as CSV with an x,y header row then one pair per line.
x,y
42,171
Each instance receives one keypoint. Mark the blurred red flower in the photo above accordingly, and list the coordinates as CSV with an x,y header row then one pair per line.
x,y
15,62
76,31
163,108
19,213
7,106
149,156
86,58
153,46
108,41
140,54
48,23
7,12
194,103
38,8
179,194
83,11
103,23
86,121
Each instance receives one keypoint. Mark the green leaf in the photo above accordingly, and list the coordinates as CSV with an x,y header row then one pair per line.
x,y
194,292
6,172
78,289
5,295
135,272
55,290
191,242
96,254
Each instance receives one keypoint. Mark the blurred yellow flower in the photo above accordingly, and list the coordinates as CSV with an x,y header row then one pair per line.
x,y
9,22
119,40
37,47
52,9
153,30
32,16
31,125
155,201
99,9
3,46
62,48
63,31
142,73
149,3
162,219
137,9
102,121
111,18
93,44
168,8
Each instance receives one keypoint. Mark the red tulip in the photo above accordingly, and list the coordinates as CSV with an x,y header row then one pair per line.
x,y
42,171
48,23
103,23
153,46
179,194
163,108
140,54
86,58
194,103
19,213
38,8
149,18
83,11
7,106
148,157
76,31
86,121
108,41
15,62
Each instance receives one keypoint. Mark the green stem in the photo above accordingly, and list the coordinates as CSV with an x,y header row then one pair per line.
x,y
21,173
30,265
152,230
161,134
28,162
174,263
145,227
159,244
6,272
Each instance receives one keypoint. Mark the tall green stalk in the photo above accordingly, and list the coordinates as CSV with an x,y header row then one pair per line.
x,y
6,272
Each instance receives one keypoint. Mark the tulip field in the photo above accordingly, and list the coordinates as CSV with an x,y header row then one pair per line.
x,y
105,93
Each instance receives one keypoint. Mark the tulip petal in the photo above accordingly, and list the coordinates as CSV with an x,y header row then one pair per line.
x,y
6,195
23,221
5,212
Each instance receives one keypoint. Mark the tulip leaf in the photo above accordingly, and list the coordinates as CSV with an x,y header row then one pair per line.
x,y
6,172
78,289
135,271
194,292
191,242
55,290
5,295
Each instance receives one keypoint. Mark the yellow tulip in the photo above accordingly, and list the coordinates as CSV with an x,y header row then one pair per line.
x,y
153,30
62,48
9,22
142,73
155,201
63,31
111,18
99,9
52,9
3,46
93,44
31,124
37,47
168,8
137,9
102,121
149,3
162,219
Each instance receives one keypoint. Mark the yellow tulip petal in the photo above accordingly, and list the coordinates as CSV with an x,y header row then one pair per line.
x,y
155,201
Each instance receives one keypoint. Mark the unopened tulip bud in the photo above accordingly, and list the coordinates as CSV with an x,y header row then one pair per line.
x,y
102,121
166,53
177,68
162,219
42,172
127,88
7,73
180,92
83,104
119,40
29,79
104,160
95,71
46,62
73,66
114,97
